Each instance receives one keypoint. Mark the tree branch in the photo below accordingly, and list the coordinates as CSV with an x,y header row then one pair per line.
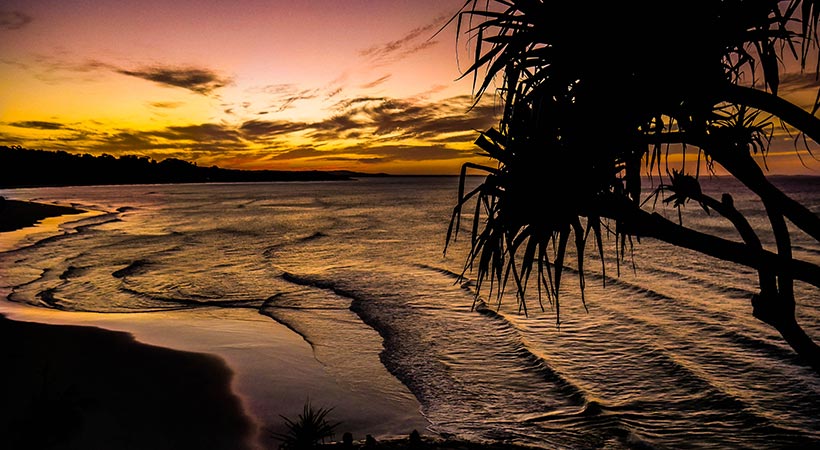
x,y
635,221
790,113
743,167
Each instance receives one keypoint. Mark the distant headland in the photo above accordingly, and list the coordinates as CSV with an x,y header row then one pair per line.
x,y
21,167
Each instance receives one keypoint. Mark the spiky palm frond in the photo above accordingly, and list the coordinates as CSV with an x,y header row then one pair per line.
x,y
308,429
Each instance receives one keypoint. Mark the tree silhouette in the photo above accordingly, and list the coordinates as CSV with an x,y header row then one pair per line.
x,y
21,167
595,95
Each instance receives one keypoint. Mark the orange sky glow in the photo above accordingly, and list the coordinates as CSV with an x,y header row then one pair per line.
x,y
254,84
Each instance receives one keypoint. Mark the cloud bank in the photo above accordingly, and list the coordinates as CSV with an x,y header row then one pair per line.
x,y
361,130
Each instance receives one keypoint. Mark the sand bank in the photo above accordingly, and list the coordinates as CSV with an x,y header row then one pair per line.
x,y
88,388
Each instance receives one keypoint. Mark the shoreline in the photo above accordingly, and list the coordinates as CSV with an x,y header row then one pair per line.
x,y
166,381
79,386
97,368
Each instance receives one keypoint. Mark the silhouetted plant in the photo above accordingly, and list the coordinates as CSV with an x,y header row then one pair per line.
x,y
309,429
592,96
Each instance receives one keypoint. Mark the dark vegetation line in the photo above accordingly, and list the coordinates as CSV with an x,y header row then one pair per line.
x,y
21,167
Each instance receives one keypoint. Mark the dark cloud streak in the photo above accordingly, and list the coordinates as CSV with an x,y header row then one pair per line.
x,y
258,129
206,132
14,20
306,152
376,82
405,45
413,153
286,94
165,105
38,125
199,80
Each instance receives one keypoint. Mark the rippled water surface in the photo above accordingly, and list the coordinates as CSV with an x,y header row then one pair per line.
x,y
667,355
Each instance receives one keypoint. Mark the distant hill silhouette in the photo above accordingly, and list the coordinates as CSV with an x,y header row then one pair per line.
x,y
21,167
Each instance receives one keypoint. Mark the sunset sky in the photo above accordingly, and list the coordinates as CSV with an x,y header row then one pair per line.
x,y
324,84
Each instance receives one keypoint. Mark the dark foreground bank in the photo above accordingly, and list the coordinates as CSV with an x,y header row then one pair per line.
x,y
16,214
70,387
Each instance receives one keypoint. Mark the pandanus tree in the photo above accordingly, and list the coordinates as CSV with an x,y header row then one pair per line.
x,y
593,96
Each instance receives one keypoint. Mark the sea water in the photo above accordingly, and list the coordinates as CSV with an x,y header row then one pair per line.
x,y
663,353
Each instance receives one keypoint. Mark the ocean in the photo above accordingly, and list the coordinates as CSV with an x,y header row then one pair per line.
x,y
665,355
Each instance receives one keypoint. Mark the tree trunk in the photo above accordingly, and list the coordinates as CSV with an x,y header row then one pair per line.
x,y
778,312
